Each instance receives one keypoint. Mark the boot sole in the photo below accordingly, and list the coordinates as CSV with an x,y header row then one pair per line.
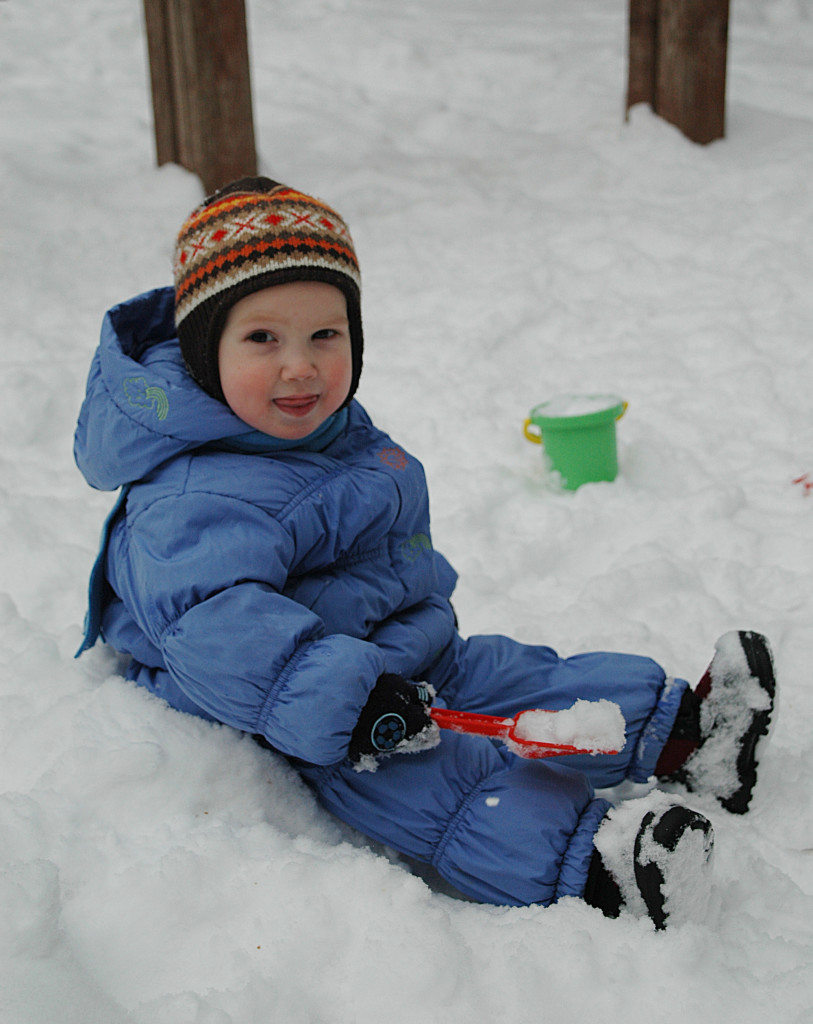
x,y
760,665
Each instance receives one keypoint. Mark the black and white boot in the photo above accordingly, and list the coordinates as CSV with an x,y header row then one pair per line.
x,y
657,865
717,739
672,857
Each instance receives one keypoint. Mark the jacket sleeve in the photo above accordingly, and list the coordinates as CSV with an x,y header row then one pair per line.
x,y
209,595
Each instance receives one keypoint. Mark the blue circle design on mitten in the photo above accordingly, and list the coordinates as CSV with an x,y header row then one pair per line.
x,y
388,732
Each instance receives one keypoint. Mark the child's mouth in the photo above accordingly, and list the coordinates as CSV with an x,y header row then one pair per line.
x,y
296,405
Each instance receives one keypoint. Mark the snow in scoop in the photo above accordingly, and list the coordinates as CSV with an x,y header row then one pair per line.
x,y
592,724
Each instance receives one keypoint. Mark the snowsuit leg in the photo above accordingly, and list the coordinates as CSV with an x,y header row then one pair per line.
x,y
501,829
497,675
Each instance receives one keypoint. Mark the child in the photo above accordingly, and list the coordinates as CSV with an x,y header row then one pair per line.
x,y
269,565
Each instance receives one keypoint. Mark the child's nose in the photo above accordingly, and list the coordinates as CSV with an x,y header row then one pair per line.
x,y
298,366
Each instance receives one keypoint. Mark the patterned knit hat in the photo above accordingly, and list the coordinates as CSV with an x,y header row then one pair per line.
x,y
250,235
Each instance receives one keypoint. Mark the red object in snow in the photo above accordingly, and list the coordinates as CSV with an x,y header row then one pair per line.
x,y
805,482
506,729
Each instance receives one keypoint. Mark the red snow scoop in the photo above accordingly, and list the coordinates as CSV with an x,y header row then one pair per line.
x,y
516,733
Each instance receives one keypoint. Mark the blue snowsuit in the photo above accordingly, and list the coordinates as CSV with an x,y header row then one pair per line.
x,y
269,591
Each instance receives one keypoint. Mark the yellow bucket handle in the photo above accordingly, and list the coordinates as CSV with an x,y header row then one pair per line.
x,y
536,438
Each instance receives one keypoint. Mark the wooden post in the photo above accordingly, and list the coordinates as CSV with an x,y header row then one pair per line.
x,y
201,87
677,63
643,31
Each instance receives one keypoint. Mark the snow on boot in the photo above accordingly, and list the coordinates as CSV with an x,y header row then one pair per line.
x,y
654,861
733,705
672,856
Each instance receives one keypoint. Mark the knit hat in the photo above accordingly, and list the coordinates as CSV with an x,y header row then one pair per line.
x,y
250,235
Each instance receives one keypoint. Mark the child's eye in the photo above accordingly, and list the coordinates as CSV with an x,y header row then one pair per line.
x,y
325,334
260,337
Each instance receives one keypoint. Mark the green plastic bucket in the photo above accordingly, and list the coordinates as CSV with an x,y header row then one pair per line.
x,y
578,435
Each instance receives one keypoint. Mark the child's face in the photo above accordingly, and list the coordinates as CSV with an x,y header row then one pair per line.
x,y
285,358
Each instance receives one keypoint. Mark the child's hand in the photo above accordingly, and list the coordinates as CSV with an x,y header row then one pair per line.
x,y
396,711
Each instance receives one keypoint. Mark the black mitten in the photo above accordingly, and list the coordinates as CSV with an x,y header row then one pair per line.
x,y
396,710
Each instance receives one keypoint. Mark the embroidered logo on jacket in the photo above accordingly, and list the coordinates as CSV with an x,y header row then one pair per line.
x,y
395,458
143,397
413,548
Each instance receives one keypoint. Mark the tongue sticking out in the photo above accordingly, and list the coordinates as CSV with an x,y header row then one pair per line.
x,y
298,405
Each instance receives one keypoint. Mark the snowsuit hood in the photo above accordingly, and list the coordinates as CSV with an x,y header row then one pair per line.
x,y
141,406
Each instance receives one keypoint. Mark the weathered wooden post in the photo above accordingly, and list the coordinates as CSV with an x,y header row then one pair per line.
x,y
677,63
643,31
201,87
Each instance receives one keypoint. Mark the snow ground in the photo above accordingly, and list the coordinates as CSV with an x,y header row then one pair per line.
x,y
518,240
